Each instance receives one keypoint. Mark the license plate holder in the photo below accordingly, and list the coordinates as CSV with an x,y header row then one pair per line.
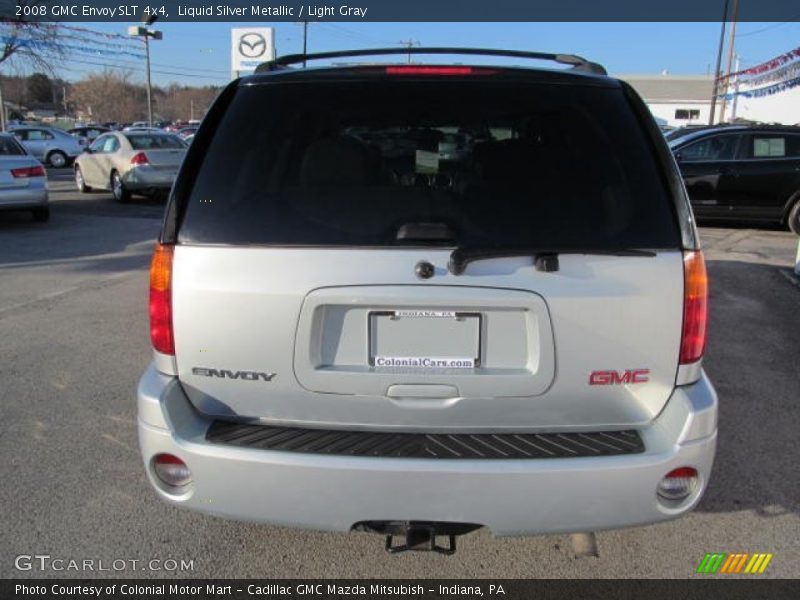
x,y
424,338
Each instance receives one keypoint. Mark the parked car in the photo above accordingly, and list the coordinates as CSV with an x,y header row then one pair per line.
x,y
141,129
176,125
691,129
143,162
358,337
744,173
186,131
87,134
50,145
23,180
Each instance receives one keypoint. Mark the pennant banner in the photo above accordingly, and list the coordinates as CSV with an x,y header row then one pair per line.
x,y
788,71
765,91
771,64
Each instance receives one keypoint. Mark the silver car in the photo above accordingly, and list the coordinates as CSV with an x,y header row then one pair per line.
x,y
87,134
23,180
143,162
50,145
351,336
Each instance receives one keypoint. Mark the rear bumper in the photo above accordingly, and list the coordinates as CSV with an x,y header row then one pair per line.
x,y
511,497
28,197
148,178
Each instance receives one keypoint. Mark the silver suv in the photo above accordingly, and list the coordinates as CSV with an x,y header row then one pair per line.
x,y
357,328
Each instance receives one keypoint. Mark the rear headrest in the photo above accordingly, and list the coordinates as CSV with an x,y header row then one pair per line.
x,y
335,161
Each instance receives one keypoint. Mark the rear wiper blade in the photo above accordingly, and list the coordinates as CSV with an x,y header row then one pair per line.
x,y
545,259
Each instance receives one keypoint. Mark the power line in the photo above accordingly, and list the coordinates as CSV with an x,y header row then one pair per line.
x,y
408,44
113,54
128,66
352,34
769,27
200,69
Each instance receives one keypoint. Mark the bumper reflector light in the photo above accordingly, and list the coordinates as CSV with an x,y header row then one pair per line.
x,y
171,470
678,484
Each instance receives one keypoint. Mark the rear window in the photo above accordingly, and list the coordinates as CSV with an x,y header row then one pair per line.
x,y
149,141
490,163
10,147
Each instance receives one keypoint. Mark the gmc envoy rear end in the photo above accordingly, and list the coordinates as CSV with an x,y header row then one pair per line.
x,y
419,299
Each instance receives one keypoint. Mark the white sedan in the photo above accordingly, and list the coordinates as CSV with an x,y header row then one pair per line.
x,y
143,162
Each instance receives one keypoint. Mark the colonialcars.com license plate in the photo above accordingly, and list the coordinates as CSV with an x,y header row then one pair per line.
x,y
424,339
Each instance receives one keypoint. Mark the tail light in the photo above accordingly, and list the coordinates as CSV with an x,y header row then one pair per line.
x,y
139,159
695,307
37,171
161,300
678,483
171,470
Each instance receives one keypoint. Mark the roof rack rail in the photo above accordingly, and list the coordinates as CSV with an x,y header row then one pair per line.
x,y
578,63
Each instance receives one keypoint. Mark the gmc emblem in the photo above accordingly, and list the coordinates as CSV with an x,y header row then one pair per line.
x,y
619,378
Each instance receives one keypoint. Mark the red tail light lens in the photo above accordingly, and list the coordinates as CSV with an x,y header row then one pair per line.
x,y
161,300
423,70
172,470
678,483
695,307
139,159
29,172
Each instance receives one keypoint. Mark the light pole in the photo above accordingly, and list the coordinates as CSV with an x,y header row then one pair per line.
x,y
146,33
731,47
717,73
2,111
305,41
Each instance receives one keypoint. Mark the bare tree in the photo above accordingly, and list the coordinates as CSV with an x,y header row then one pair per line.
x,y
182,103
30,43
26,41
109,96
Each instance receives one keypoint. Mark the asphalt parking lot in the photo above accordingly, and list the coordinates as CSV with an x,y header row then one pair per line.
x,y
74,341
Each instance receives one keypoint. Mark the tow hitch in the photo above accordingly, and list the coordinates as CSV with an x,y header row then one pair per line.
x,y
420,536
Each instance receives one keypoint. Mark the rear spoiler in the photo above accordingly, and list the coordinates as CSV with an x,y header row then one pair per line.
x,y
577,63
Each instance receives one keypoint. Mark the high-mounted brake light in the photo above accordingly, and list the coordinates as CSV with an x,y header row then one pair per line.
x,y
37,171
695,307
423,70
161,300
139,159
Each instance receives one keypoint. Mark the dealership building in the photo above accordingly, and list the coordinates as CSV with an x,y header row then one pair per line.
x,y
686,100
